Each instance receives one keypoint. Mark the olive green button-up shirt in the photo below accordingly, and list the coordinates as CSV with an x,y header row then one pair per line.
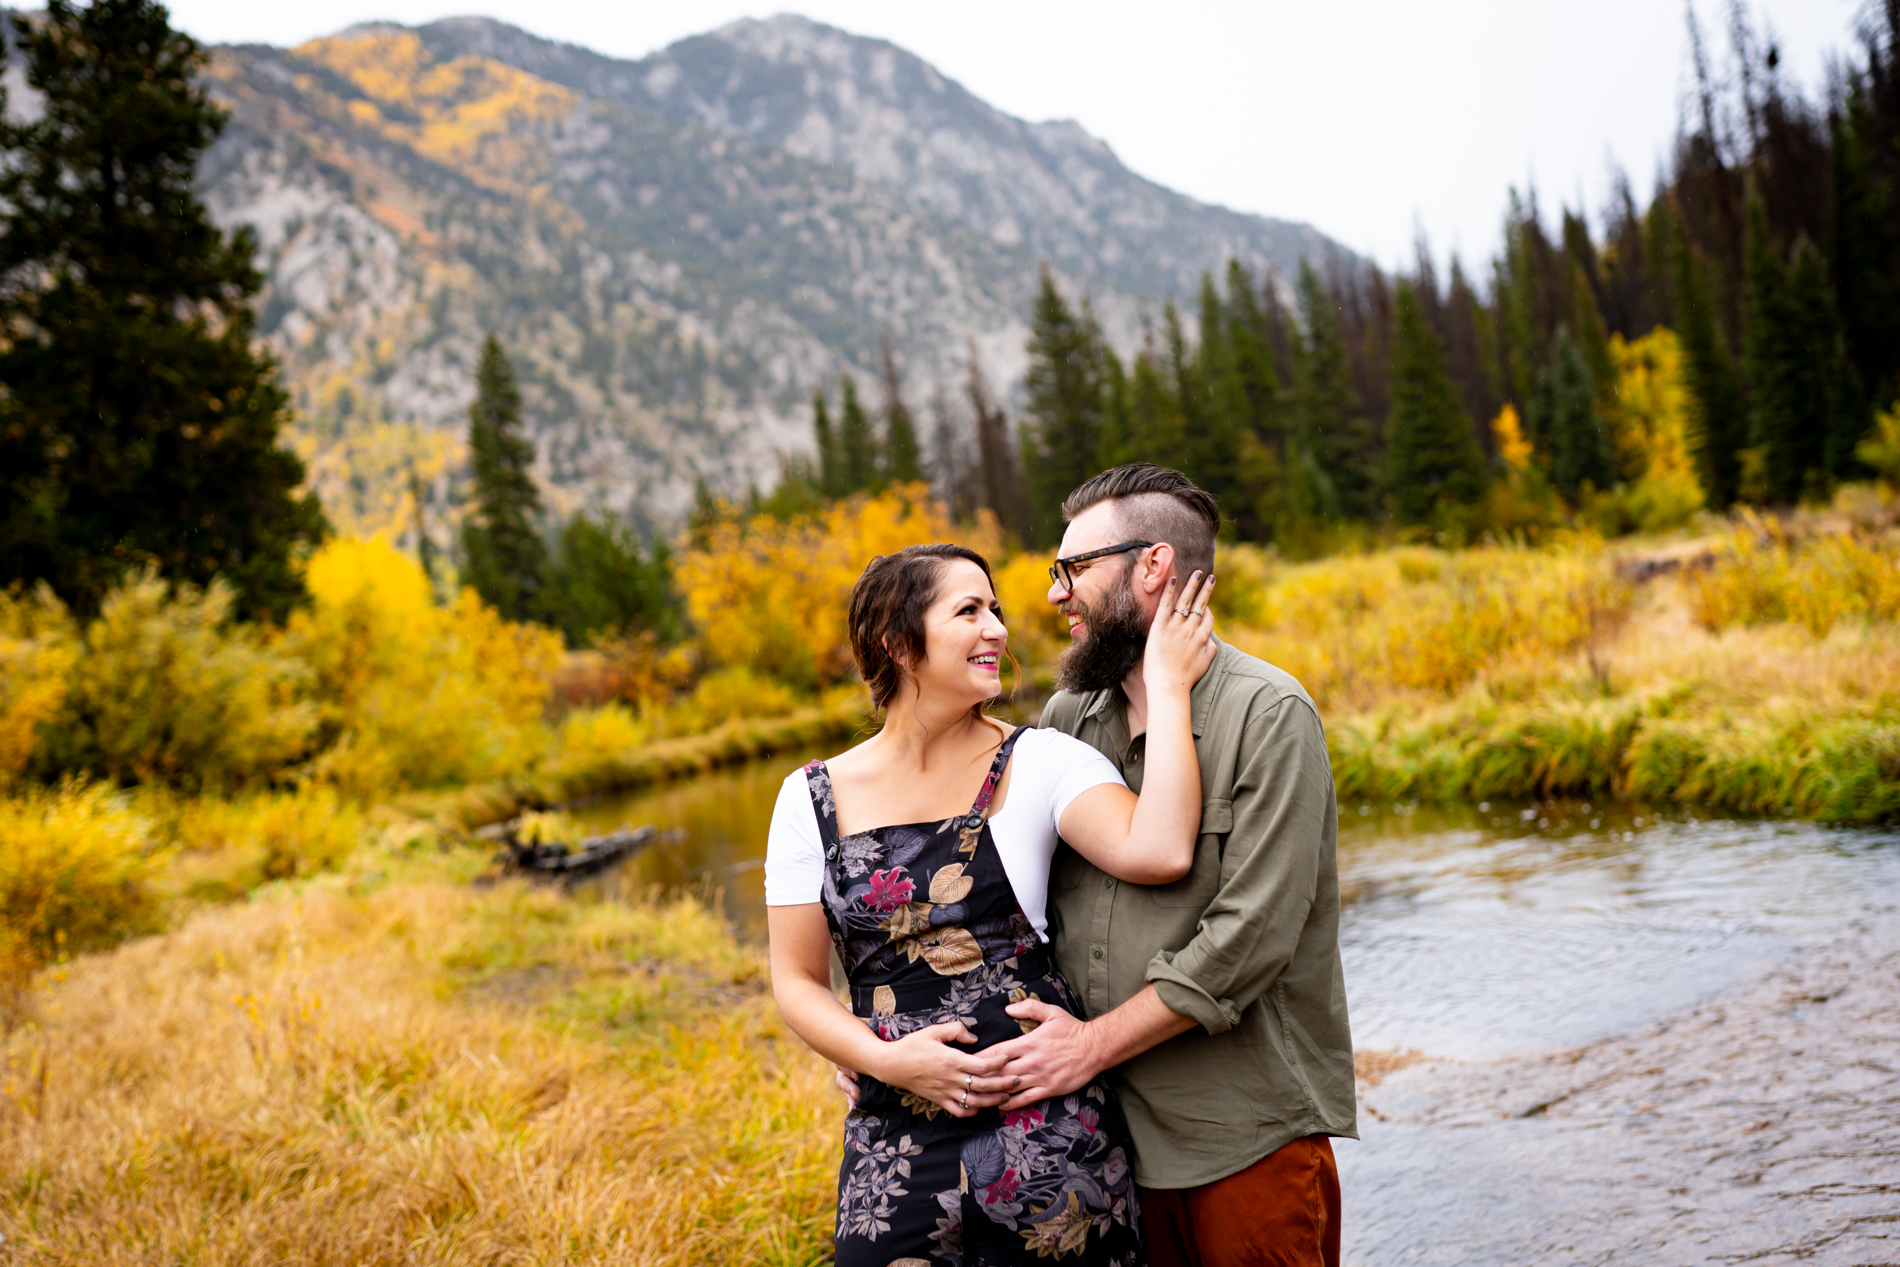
x,y
1247,944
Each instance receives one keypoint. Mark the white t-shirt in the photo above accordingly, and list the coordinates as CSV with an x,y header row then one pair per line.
x,y
1048,770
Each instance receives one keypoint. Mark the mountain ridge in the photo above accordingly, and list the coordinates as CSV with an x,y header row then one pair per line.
x,y
675,249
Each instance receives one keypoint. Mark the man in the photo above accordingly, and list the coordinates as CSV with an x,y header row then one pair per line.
x,y
1218,1000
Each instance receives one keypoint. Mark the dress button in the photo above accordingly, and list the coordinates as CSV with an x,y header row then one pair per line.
x,y
1098,952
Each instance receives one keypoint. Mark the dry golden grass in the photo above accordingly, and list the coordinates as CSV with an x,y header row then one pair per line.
x,y
428,1073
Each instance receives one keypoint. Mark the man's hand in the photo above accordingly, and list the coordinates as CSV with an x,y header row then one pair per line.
x,y
1059,1056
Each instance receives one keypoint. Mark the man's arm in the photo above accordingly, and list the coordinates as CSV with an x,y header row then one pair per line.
x,y
1062,1054
1246,937
1283,797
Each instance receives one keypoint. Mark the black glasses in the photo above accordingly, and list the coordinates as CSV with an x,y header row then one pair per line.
x,y
1062,572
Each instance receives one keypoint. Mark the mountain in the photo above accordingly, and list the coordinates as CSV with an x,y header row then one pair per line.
x,y
676,250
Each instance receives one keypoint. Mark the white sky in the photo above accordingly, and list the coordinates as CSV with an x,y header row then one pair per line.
x,y
1370,120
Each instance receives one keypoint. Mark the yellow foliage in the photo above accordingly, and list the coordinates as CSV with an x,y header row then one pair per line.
x,y
228,847
76,865
1414,617
1037,632
1648,418
1764,579
170,691
1508,431
772,596
38,646
591,735
1881,448
416,694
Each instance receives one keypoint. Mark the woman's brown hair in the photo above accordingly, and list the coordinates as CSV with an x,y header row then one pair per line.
x,y
887,612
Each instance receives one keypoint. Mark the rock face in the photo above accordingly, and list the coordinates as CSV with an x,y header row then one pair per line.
x,y
675,250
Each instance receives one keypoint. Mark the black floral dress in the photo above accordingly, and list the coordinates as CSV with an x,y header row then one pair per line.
x,y
929,930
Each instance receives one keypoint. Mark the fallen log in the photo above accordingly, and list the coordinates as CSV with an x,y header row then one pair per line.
x,y
555,860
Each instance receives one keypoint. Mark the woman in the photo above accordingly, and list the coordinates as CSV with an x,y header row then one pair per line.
x,y
922,857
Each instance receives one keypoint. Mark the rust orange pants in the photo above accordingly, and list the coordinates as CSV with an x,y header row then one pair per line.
x,y
1282,1211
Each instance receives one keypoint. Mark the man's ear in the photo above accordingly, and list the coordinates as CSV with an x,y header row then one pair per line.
x,y
1156,567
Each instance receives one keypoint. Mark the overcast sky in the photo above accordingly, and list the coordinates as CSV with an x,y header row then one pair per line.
x,y
1372,120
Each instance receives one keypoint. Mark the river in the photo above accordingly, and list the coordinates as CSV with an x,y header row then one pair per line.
x,y
1587,1034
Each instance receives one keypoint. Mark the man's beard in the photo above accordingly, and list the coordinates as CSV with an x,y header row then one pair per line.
x,y
1117,639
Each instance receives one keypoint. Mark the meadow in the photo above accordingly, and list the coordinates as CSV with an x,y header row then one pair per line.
x,y
265,999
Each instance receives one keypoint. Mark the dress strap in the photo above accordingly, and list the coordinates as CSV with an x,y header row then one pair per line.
x,y
824,803
974,819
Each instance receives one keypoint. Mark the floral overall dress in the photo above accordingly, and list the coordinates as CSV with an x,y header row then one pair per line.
x,y
929,930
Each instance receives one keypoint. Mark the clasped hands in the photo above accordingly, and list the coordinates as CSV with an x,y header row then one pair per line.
x,y
1056,1057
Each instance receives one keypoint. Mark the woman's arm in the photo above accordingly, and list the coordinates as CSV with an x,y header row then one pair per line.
x,y
1151,840
923,1063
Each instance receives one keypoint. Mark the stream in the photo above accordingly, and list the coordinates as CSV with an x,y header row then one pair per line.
x,y
1585,1034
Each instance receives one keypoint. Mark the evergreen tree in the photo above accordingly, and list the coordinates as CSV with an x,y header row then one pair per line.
x,y
901,462
1792,357
1864,256
1063,419
506,557
830,468
137,422
857,444
1217,402
1329,423
1005,492
602,581
1719,418
1565,413
1432,456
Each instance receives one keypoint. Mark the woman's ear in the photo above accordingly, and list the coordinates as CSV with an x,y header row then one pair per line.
x,y
897,656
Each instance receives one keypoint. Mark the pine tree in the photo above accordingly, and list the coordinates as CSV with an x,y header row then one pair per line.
x,y
1432,456
506,557
1005,492
1218,402
1565,412
830,467
1063,419
1329,423
1791,347
138,424
1719,417
857,444
602,581
901,462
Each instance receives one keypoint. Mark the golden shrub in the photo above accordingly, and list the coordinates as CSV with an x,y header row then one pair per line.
x,y
772,596
76,865
38,645
1417,618
1762,578
411,693
589,735
228,847
169,690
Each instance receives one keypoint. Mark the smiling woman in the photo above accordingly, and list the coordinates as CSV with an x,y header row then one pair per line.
x,y
922,858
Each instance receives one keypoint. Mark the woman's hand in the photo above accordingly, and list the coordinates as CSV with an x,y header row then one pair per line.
x,y
1181,639
927,1065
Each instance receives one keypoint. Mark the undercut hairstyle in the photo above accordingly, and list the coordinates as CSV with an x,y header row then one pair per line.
x,y
887,613
1155,503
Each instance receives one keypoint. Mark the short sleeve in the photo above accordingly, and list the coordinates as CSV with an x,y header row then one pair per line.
x,y
794,857
1073,768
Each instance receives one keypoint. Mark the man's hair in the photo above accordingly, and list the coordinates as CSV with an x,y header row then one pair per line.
x,y
1155,503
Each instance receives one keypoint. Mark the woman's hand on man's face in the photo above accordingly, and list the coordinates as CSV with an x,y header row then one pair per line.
x,y
1181,639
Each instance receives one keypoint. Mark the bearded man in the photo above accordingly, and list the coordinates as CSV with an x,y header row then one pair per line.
x,y
1217,1001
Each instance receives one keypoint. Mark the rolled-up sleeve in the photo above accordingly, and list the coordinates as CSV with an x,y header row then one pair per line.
x,y
1270,868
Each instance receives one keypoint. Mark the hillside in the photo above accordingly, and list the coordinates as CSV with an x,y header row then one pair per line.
x,y
676,249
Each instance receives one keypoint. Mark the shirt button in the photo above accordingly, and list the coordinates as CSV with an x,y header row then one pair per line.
x,y
1109,883
1098,952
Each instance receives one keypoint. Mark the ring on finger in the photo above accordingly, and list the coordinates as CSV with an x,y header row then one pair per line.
x,y
967,1080
963,1101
